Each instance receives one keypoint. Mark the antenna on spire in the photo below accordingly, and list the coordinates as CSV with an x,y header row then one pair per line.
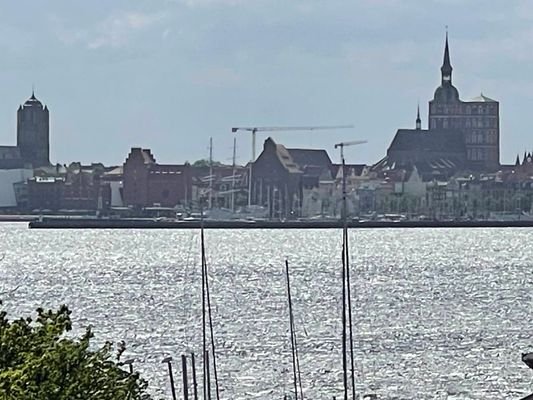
x,y
33,90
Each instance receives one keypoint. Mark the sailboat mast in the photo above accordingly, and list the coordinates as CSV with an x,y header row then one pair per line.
x,y
212,335
233,176
349,298
344,360
210,204
204,337
291,323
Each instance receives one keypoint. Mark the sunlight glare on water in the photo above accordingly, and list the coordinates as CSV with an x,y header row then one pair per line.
x,y
438,313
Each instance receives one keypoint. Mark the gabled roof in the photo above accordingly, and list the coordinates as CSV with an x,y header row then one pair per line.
x,y
435,140
286,160
310,157
351,169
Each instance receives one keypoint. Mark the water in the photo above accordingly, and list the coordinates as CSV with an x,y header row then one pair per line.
x,y
441,313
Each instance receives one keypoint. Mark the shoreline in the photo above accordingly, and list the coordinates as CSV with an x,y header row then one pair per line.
x,y
51,223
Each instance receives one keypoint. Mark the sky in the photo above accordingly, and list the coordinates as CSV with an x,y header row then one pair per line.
x,y
169,74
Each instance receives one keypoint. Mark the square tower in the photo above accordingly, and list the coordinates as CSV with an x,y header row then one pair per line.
x,y
33,132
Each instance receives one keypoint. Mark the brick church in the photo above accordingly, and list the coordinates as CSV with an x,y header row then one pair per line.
x,y
461,135
33,138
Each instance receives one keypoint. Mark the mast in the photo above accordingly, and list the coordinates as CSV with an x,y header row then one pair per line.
x,y
346,296
204,338
294,345
344,361
233,176
210,203
206,309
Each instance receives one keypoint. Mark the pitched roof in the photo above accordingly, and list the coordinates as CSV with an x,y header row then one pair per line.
x,y
310,157
351,169
435,140
286,160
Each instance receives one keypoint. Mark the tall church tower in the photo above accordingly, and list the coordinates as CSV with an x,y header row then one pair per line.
x,y
477,119
33,132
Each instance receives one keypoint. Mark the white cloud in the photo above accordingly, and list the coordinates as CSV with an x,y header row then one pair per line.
x,y
114,31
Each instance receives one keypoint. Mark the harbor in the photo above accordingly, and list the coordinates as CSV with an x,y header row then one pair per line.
x,y
438,313
146,223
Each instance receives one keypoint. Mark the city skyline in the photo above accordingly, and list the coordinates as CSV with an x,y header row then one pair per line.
x,y
167,75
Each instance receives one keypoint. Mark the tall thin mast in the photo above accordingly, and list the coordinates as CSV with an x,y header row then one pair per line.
x,y
346,297
233,175
204,337
291,328
344,361
210,204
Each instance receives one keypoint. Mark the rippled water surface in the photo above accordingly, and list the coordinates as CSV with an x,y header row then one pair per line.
x,y
442,313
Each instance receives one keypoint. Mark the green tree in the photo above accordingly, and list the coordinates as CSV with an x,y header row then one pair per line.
x,y
205,163
39,361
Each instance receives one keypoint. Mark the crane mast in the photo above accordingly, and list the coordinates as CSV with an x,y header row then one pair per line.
x,y
254,130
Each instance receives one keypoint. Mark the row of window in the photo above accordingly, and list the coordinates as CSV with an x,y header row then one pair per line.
x,y
467,109
487,137
460,123
481,154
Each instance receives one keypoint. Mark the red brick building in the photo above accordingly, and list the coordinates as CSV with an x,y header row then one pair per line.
x,y
147,183
280,175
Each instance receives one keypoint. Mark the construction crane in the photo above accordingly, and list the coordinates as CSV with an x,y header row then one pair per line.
x,y
341,146
256,129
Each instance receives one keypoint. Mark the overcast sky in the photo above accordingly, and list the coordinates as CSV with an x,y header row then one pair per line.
x,y
168,74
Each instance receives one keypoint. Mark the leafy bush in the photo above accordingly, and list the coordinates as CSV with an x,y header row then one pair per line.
x,y
39,362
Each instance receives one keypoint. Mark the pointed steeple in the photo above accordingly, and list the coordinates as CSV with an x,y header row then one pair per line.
x,y
446,69
525,157
517,162
418,120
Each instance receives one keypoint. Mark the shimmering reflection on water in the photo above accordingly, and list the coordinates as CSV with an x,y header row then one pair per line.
x,y
438,313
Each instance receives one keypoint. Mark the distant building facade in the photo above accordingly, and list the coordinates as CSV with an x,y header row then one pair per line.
x,y
74,188
281,176
461,135
147,183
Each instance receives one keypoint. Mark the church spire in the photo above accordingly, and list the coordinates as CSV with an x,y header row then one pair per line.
x,y
446,69
418,120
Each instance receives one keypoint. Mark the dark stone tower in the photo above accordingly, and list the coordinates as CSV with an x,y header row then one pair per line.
x,y
33,132
418,123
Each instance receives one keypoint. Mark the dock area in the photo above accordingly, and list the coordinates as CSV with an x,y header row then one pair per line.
x,y
78,223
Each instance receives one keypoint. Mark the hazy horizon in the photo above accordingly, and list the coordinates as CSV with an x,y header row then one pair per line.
x,y
169,74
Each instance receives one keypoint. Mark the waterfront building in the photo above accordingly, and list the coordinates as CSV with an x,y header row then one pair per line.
x,y
281,176
149,184
76,187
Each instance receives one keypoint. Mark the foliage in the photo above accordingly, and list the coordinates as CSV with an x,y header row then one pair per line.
x,y
205,163
38,361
